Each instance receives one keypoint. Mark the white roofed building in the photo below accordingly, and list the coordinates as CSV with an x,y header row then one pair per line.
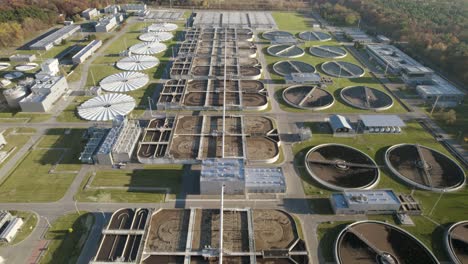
x,y
218,172
90,13
44,93
441,90
365,202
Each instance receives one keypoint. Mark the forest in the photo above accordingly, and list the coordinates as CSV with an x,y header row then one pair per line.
x,y
435,32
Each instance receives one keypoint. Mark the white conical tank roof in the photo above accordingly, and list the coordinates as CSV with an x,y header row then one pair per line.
x,y
148,48
137,63
124,81
106,107
156,36
162,27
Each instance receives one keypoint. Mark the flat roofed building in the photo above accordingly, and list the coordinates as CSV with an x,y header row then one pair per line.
x,y
23,57
87,51
380,123
133,7
357,35
265,180
365,202
44,93
303,78
111,9
218,172
5,217
11,230
90,13
339,124
106,24
55,38
396,61
383,39
446,94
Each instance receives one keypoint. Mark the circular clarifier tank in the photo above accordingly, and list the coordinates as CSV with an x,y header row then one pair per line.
x,y
367,98
340,167
424,168
308,97
287,67
285,51
456,242
314,36
342,69
329,52
374,242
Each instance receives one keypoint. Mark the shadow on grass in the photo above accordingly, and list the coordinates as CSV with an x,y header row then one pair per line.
x,y
72,243
326,243
69,139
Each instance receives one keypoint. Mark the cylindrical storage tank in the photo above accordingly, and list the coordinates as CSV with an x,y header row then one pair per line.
x,y
14,96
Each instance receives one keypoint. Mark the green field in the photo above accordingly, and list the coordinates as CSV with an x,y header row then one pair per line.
x,y
69,114
16,138
161,176
33,181
66,246
29,223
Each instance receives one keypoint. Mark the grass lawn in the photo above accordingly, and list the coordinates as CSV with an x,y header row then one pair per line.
x,y
66,246
160,176
293,21
70,114
45,186
29,223
7,116
15,141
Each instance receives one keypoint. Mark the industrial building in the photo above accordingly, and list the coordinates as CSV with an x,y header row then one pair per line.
x,y
49,67
365,202
23,58
111,9
44,93
90,13
440,90
87,51
380,124
395,61
357,35
264,180
239,179
340,125
133,7
218,172
55,38
106,24
119,143
94,136
10,225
